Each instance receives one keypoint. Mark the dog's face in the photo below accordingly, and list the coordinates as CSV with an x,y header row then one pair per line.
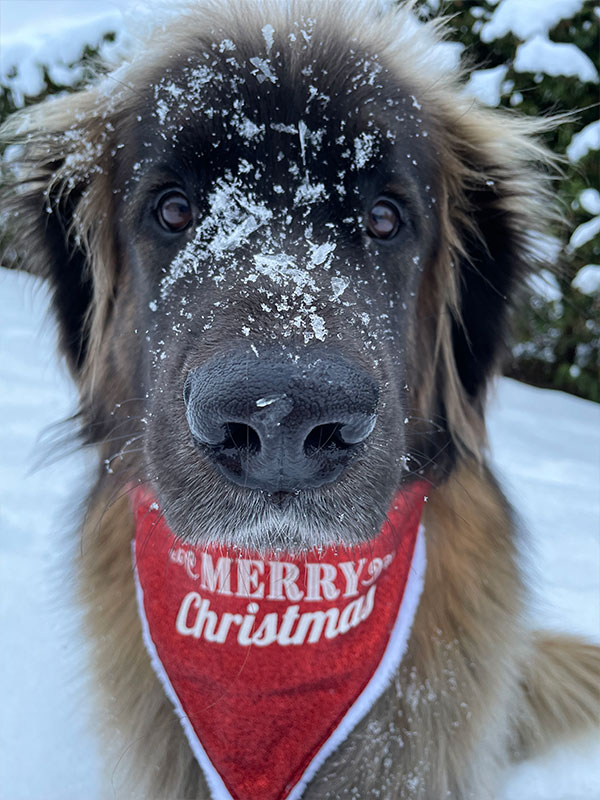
x,y
286,232
275,224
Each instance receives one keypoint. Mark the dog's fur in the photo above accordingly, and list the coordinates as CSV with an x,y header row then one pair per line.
x,y
424,315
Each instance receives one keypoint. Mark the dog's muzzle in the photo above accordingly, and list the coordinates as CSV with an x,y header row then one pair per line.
x,y
280,425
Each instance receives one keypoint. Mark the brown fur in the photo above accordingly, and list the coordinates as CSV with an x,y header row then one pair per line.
x,y
475,686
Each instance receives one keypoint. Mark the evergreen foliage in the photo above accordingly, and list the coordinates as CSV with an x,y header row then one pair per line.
x,y
557,327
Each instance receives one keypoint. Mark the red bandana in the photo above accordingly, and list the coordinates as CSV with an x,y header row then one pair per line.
x,y
271,661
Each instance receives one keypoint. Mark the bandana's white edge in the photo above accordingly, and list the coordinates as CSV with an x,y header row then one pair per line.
x,y
217,788
380,680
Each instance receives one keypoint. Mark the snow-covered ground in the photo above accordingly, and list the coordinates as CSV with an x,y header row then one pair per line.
x,y
546,446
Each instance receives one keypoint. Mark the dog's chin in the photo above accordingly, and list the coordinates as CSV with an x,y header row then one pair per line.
x,y
262,523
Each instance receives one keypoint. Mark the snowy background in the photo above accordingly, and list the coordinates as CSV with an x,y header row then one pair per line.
x,y
546,447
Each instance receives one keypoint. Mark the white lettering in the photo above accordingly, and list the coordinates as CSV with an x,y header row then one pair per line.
x,y
283,578
287,623
190,563
248,580
244,635
374,570
369,603
204,615
219,579
266,633
191,598
352,575
351,615
195,618
186,558
321,576
226,621
316,619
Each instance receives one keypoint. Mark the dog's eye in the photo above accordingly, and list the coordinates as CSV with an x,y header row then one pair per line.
x,y
384,220
174,211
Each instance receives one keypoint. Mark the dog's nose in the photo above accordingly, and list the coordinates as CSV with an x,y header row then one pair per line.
x,y
280,426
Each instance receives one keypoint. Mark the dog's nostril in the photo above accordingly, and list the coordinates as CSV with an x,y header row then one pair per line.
x,y
241,437
341,435
358,430
322,436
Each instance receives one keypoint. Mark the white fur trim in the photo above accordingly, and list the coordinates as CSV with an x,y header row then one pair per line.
x,y
380,680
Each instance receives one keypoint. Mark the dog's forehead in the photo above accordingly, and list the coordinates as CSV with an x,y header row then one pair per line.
x,y
283,145
267,98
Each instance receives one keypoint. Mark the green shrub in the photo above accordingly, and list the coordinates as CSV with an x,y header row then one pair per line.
x,y
557,339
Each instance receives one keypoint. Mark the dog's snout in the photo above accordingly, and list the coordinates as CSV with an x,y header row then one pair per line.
x,y
280,426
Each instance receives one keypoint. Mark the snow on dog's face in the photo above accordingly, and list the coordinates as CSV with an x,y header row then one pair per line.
x,y
278,208
299,249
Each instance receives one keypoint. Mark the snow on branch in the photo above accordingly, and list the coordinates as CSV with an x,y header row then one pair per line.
x,y
528,19
539,54
584,141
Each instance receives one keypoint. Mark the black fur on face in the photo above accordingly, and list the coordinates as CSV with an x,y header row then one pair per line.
x,y
279,150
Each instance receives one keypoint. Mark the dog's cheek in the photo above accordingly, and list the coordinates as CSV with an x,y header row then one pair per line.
x,y
170,454
120,367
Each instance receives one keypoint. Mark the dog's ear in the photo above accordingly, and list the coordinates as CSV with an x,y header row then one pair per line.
x,y
502,219
495,208
55,170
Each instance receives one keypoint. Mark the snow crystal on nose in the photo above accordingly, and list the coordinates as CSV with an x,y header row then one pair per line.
x,y
268,32
365,147
318,326
281,269
263,402
338,287
263,70
308,193
320,254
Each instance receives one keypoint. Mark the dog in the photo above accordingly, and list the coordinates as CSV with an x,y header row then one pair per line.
x,y
283,247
